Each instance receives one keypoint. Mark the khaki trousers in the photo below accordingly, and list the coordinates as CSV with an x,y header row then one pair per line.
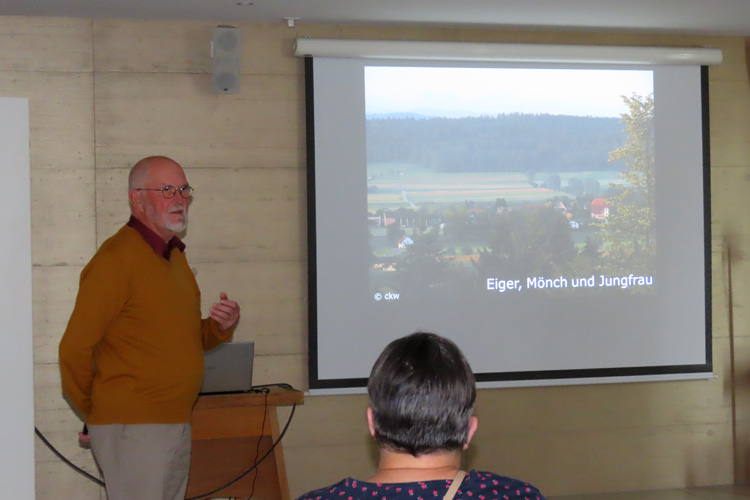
x,y
143,461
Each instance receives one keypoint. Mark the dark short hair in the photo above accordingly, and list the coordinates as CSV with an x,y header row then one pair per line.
x,y
422,394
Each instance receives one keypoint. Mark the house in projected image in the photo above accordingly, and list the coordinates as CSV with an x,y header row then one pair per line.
x,y
401,218
599,209
382,220
404,242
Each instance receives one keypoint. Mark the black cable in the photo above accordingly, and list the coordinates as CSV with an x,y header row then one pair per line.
x,y
254,466
61,457
265,392
282,384
203,495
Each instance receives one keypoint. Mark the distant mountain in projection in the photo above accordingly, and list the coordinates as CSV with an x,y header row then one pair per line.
x,y
398,116
423,114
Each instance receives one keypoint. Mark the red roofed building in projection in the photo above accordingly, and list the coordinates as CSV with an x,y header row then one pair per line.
x,y
599,209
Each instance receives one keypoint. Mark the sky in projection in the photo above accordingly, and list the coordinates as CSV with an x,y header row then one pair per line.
x,y
459,92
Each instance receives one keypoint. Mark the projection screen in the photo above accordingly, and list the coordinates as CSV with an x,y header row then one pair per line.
x,y
549,214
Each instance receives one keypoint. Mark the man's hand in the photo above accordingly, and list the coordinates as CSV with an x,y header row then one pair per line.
x,y
225,312
84,440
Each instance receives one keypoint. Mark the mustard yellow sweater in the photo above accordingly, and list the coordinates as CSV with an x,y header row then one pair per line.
x,y
133,349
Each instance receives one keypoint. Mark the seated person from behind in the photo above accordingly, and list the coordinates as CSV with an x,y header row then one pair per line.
x,y
422,394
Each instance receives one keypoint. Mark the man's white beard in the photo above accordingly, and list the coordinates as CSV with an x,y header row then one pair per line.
x,y
178,227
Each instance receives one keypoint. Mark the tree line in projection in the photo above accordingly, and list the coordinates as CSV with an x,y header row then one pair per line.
x,y
534,239
504,143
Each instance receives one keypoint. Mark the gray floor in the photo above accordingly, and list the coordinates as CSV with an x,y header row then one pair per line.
x,y
731,492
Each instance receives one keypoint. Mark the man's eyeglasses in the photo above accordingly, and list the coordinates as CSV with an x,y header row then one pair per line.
x,y
186,191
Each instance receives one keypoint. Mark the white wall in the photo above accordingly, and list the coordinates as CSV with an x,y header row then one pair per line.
x,y
16,358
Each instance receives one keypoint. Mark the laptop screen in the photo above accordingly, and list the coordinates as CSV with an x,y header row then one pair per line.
x,y
229,368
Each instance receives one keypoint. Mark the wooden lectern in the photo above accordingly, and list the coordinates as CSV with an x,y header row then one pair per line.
x,y
229,430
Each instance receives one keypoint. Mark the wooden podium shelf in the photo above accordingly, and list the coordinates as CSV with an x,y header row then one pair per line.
x,y
228,432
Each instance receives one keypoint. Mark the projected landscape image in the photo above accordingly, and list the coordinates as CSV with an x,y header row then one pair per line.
x,y
503,181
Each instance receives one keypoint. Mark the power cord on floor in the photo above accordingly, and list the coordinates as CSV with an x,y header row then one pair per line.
x,y
68,462
262,389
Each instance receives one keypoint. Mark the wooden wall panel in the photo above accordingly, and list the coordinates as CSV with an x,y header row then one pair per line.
x,y
152,46
677,456
270,297
729,186
47,388
62,214
327,430
285,369
55,289
112,207
248,215
733,147
57,480
168,123
62,129
45,44
319,466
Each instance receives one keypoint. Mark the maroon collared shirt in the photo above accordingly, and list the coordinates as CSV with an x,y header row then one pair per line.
x,y
155,241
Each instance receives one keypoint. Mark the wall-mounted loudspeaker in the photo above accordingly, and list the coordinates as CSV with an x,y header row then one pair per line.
x,y
226,51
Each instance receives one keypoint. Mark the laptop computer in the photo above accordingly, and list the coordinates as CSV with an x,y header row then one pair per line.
x,y
229,368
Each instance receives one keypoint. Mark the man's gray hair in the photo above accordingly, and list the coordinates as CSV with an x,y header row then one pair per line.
x,y
138,173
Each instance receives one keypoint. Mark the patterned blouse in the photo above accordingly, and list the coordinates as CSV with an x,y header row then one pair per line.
x,y
477,485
